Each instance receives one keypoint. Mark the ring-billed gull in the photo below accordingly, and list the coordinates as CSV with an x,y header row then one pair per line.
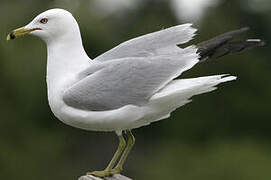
x,y
129,86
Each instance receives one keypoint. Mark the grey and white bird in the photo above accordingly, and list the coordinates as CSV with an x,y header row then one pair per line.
x,y
129,86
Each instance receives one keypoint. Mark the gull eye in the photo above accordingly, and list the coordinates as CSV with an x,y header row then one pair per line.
x,y
44,21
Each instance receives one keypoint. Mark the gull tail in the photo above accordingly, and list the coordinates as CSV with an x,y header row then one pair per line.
x,y
224,44
178,93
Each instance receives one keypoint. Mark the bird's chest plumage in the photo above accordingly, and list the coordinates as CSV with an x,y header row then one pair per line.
x,y
56,85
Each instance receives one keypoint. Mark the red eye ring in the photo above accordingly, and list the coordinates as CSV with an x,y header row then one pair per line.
x,y
44,21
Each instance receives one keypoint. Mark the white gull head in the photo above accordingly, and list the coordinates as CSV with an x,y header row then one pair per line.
x,y
54,25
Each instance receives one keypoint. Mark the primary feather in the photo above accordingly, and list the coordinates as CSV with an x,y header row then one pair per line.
x,y
156,43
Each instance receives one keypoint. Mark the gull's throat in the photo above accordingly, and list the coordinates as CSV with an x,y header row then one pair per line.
x,y
66,58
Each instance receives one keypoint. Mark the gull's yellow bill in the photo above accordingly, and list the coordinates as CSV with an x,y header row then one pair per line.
x,y
19,32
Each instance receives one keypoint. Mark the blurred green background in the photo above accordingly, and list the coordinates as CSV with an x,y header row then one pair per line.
x,y
222,135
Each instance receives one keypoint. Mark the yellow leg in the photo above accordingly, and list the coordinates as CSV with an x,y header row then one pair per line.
x,y
130,144
109,169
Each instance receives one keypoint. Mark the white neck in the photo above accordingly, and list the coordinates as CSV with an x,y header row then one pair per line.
x,y
66,58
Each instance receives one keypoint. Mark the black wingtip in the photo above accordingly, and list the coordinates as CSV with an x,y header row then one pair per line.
x,y
224,44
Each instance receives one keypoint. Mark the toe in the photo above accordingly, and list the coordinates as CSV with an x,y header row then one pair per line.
x,y
99,173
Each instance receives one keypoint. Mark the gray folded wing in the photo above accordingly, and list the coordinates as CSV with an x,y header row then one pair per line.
x,y
156,43
128,80
133,71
